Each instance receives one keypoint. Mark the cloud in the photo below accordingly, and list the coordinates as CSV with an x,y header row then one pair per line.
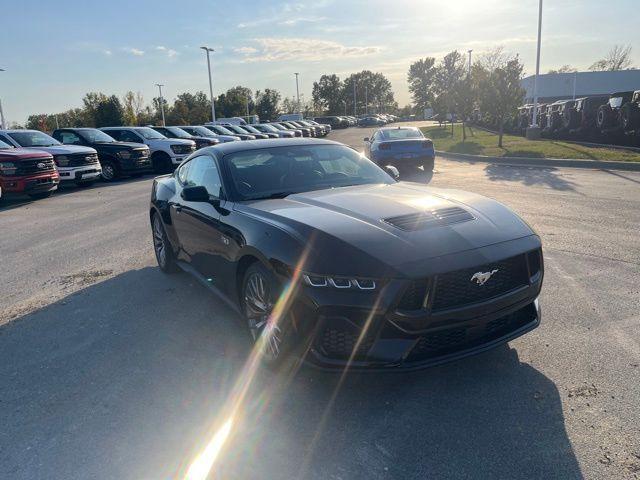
x,y
133,51
302,49
291,22
160,47
108,53
169,51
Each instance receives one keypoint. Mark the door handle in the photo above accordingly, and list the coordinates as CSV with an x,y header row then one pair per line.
x,y
178,208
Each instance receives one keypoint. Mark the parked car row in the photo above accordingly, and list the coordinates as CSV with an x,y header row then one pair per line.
x,y
378,119
590,118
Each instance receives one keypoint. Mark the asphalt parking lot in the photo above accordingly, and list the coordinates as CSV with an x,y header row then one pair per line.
x,y
110,369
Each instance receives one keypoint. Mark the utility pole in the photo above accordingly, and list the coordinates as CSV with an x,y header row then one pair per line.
x,y
533,132
159,85
2,123
575,80
355,100
297,92
213,107
366,99
469,70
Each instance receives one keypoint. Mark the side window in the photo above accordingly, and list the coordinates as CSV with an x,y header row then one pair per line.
x,y
114,133
69,138
129,136
6,140
182,172
203,171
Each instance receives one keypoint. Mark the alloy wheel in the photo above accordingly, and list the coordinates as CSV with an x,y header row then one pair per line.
x,y
258,305
158,242
108,171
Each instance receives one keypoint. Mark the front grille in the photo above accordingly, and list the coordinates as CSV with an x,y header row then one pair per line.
x,y
183,149
28,167
462,338
339,342
434,218
82,159
414,296
456,289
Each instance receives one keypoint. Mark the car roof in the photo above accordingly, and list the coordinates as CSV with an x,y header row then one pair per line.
x,y
233,147
399,128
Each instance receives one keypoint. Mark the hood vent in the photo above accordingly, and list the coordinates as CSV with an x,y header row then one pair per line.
x,y
434,218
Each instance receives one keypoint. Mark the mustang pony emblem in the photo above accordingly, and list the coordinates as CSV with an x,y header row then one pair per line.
x,y
482,277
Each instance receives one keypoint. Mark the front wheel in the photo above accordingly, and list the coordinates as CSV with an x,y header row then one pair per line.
x,y
110,171
268,326
162,248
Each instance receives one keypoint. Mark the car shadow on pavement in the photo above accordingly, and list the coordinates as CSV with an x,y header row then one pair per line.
x,y
529,176
129,377
417,175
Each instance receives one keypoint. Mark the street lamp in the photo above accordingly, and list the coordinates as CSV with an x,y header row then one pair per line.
x,y
159,85
533,132
213,108
2,124
355,100
297,92
469,72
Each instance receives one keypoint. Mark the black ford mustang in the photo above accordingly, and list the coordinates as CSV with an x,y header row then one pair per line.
x,y
326,255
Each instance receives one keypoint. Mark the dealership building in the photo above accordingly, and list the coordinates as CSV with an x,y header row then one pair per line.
x,y
562,86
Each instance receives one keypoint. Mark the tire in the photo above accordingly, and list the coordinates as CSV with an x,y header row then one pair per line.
x,y
40,195
428,166
603,117
110,171
629,117
161,163
270,335
162,247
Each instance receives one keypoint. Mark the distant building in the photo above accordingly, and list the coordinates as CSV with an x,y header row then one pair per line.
x,y
560,86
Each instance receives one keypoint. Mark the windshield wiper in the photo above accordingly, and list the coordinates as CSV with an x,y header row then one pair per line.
x,y
271,195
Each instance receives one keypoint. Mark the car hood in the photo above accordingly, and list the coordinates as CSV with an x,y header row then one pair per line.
x,y
118,146
19,154
355,224
65,149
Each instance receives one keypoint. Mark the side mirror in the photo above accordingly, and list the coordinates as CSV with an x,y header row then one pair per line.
x,y
195,194
366,139
393,171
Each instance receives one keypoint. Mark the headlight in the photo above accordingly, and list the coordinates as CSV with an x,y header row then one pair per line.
x,y
61,160
8,168
124,154
321,281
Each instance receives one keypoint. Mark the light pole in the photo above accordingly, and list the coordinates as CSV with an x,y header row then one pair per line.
x,y
297,92
345,107
469,71
2,124
355,100
366,99
533,132
213,107
159,85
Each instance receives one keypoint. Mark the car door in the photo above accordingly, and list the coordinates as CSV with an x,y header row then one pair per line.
x,y
197,224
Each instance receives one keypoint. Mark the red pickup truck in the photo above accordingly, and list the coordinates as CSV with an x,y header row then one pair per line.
x,y
27,172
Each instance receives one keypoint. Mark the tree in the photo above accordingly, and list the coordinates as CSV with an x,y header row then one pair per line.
x,y
618,58
500,92
494,58
289,105
190,109
465,97
102,110
327,94
235,102
563,69
129,112
421,79
373,92
267,103
450,71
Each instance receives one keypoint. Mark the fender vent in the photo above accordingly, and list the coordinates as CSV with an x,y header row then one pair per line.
x,y
434,218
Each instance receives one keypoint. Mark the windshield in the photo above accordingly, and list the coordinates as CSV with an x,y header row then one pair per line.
x,y
221,130
267,128
4,146
250,129
178,132
278,126
280,171
401,134
236,129
149,133
34,138
199,131
93,135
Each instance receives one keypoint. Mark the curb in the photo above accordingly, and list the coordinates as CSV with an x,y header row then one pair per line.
x,y
543,162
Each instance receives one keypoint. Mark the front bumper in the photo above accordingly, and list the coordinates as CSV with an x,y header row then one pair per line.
x,y
370,330
80,174
45,182
136,165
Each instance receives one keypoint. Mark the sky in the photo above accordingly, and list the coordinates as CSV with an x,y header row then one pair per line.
x,y
55,52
